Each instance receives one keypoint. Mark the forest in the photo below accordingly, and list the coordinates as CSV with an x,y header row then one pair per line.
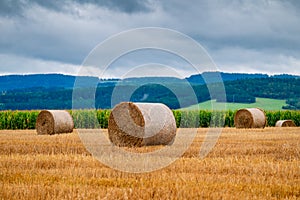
x,y
239,91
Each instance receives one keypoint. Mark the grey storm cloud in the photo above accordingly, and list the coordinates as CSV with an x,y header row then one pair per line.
x,y
62,30
248,36
16,7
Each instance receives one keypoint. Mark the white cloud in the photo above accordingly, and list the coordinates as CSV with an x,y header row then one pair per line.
x,y
255,61
11,64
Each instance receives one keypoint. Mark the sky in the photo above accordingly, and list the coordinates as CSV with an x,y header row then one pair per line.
x,y
258,36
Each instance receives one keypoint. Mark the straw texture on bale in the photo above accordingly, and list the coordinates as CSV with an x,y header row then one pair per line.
x,y
250,118
141,124
285,123
51,122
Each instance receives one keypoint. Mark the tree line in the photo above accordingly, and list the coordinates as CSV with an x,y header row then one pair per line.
x,y
174,95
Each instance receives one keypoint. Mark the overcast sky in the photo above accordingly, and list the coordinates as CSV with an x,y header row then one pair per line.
x,y
257,36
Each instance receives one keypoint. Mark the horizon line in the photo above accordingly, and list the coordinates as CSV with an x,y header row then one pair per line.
x,y
76,75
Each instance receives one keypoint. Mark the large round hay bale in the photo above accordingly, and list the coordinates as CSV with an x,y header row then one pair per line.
x,y
51,122
141,124
250,118
285,123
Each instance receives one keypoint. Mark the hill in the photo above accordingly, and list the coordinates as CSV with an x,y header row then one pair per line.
x,y
55,91
213,77
13,82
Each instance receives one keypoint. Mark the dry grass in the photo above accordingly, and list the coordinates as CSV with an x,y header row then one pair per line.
x,y
245,164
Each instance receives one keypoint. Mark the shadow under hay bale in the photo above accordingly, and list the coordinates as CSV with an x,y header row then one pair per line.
x,y
51,122
285,123
141,124
250,118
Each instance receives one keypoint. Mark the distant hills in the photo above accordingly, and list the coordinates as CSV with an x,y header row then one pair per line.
x,y
213,77
56,91
12,82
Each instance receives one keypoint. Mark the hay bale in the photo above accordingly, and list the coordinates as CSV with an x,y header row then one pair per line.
x,y
250,118
51,122
285,123
141,124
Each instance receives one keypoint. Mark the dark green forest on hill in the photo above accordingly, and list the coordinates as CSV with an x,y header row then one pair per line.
x,y
243,91
239,91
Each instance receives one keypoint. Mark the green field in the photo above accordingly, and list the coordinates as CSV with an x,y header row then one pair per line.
x,y
263,103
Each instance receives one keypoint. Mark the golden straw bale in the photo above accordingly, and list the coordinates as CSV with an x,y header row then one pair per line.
x,y
285,123
141,124
51,122
250,118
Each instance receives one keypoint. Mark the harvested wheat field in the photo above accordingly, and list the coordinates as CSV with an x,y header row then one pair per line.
x,y
244,164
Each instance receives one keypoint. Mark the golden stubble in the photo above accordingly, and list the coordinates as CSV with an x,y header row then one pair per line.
x,y
244,164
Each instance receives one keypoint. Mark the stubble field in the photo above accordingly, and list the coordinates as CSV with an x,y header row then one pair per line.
x,y
244,164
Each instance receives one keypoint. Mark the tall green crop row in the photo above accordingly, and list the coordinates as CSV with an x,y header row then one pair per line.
x,y
18,119
186,119
103,116
177,116
189,119
99,118
90,118
203,118
217,119
229,118
274,116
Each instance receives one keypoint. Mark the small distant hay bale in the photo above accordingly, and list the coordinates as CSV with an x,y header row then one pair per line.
x,y
285,123
250,118
51,122
141,124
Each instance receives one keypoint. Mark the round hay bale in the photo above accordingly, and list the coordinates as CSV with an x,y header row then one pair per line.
x,y
285,123
51,122
250,118
141,124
